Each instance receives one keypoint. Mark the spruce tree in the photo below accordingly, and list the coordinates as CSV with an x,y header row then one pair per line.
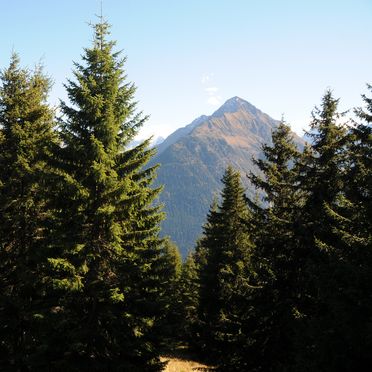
x,y
359,175
276,252
171,319
345,338
26,134
356,234
227,278
322,177
322,181
108,250
188,300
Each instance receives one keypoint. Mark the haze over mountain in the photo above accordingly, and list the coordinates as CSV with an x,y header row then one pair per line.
x,y
156,141
194,158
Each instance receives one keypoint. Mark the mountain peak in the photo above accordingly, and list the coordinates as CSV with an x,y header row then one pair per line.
x,y
194,158
235,104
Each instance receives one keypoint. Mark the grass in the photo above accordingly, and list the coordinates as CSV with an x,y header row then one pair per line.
x,y
181,360
182,365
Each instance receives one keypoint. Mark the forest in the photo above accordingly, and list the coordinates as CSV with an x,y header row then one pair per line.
x,y
280,282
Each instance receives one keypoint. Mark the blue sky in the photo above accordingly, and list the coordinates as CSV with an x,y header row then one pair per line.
x,y
188,57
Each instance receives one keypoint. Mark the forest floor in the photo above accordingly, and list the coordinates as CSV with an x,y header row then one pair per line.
x,y
182,365
181,361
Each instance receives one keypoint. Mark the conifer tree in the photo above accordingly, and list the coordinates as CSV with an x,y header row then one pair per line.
x,y
322,177
26,123
345,342
276,251
227,278
108,250
322,182
170,323
188,299
359,172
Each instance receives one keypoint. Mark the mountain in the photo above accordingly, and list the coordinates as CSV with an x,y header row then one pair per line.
x,y
179,133
193,159
158,141
154,143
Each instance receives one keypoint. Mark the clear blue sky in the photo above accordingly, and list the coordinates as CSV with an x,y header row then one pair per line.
x,y
188,56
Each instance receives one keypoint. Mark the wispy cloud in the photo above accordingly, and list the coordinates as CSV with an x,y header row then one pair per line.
x,y
213,98
206,78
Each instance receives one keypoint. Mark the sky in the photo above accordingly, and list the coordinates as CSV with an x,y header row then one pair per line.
x,y
188,57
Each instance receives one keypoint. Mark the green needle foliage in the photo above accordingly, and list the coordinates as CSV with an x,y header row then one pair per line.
x,y
169,324
107,253
26,134
359,170
344,341
323,183
322,172
277,253
227,278
188,298
86,284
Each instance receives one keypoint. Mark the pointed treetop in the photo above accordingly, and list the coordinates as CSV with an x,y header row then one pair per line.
x,y
327,111
101,30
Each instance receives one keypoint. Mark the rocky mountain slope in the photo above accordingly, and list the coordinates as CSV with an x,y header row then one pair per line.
x,y
194,158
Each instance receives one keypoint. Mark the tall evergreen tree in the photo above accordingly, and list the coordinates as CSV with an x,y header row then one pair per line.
x,y
322,176
323,183
26,123
227,278
170,322
345,340
108,251
359,175
276,252
188,300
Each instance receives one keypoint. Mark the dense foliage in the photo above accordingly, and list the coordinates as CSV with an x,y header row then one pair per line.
x,y
84,275
26,136
310,255
227,277
282,282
